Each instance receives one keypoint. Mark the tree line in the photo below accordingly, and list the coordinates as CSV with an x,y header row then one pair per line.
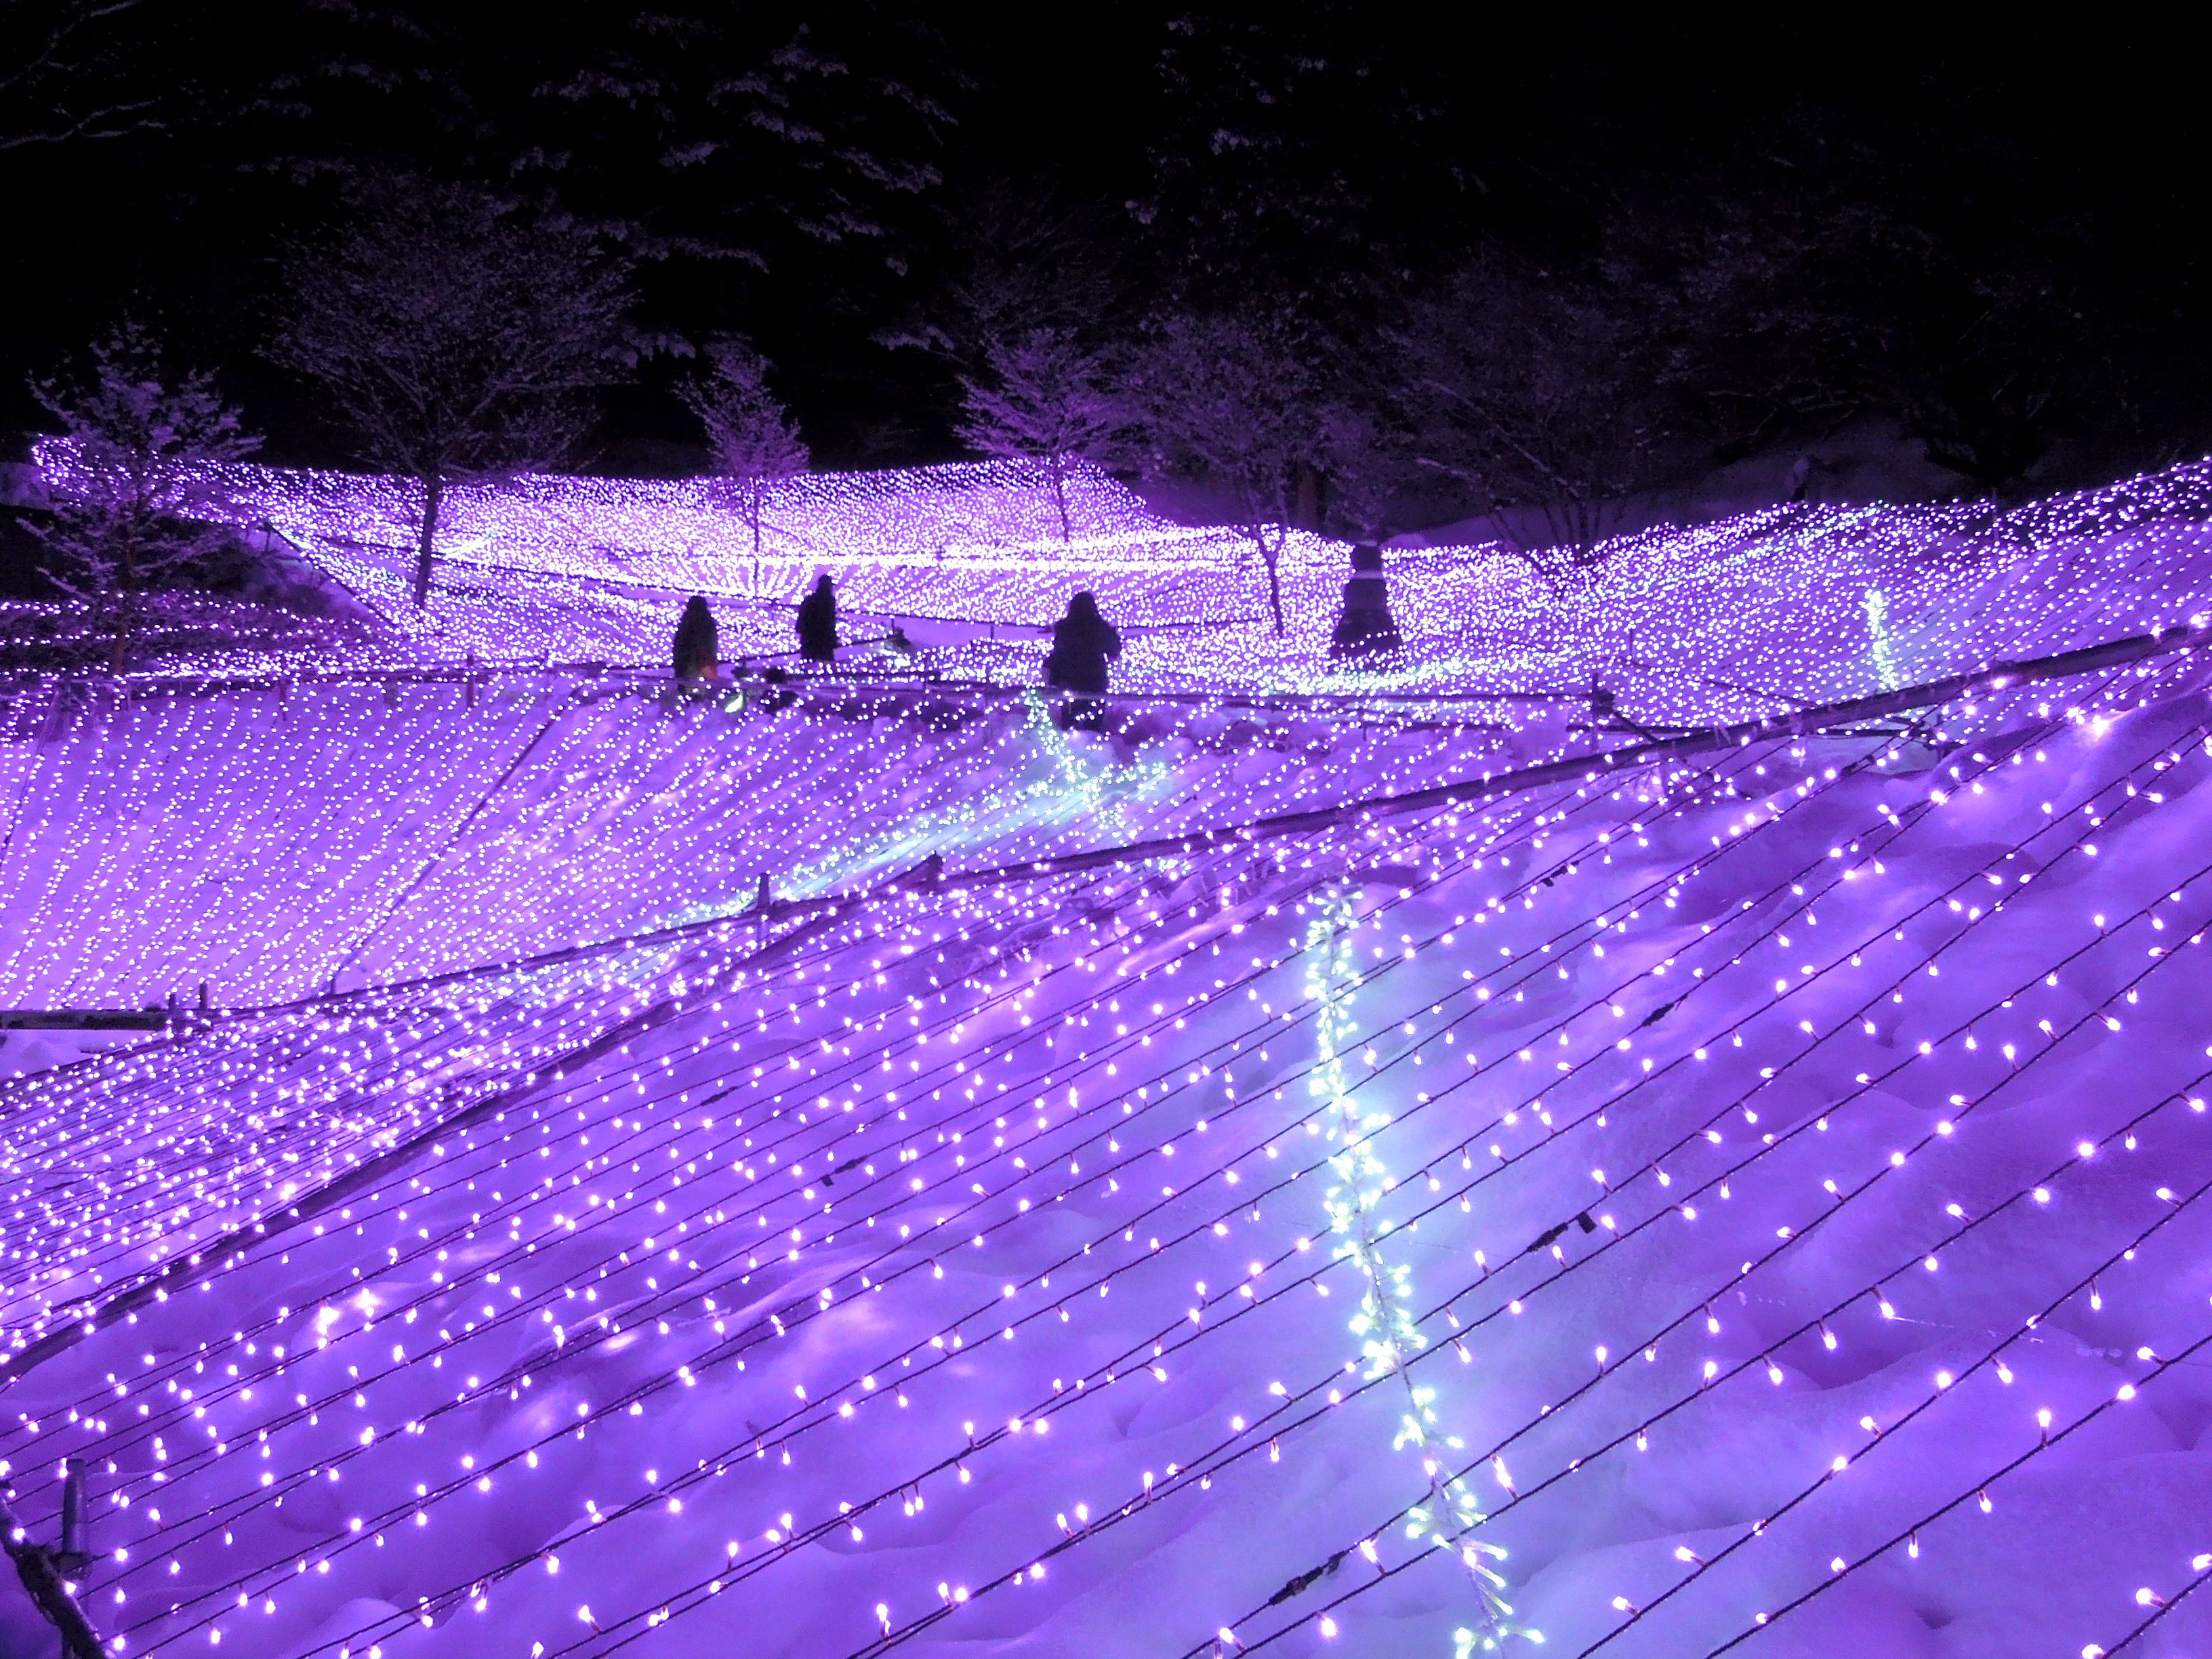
x,y
1309,256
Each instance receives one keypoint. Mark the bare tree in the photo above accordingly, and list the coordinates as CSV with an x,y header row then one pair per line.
x,y
749,434
1041,397
141,443
1365,460
458,339
1538,391
1233,399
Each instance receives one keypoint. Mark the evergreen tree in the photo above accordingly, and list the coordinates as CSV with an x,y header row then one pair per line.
x,y
140,445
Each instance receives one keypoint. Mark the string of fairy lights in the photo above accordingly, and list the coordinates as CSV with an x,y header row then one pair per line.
x,y
1763,1366
538,818
1777,606
522,1272
2145,1596
1732,843
69,1131
1698,1310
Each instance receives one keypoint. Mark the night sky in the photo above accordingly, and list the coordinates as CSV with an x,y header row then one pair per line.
x,y
1182,163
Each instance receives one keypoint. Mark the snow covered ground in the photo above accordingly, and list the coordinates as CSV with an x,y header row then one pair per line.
x,y
1764,611
275,839
1744,1200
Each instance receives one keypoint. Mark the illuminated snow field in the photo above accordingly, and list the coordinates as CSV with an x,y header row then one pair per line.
x,y
761,1170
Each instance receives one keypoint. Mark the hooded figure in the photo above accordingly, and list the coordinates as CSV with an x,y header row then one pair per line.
x,y
698,650
1365,627
818,623
1082,641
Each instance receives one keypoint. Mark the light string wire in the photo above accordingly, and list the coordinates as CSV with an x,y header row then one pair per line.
x,y
1881,1172
1979,1491
2163,1605
1389,1336
1109,1521
1639,1228
949,1018
1763,1361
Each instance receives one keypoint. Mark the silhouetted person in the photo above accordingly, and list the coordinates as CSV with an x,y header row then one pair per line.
x,y
1364,626
1082,641
818,622
697,649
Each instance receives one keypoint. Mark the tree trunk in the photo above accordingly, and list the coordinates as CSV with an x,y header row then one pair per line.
x,y
1271,557
1308,497
753,517
1057,465
125,609
434,490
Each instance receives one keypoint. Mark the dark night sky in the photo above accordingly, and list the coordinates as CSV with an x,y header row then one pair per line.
x,y
1553,131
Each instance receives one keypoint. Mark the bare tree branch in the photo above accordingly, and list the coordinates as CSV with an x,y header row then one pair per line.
x,y
67,75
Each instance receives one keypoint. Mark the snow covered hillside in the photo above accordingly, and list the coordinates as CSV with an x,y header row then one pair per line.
x,y
1738,1197
273,839
1765,611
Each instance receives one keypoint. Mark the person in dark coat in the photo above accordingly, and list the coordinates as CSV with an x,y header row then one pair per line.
x,y
1082,641
818,623
698,651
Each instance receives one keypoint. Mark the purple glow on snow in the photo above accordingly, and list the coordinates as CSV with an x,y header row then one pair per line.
x,y
1783,1161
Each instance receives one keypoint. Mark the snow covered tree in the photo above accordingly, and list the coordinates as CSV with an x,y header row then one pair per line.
x,y
1041,397
141,440
749,434
457,338
1232,398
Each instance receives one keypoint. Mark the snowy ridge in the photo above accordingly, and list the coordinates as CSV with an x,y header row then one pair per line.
x,y
1781,606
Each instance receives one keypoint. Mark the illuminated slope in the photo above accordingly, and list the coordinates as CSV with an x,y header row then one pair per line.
x,y
1769,608
267,839
1691,1130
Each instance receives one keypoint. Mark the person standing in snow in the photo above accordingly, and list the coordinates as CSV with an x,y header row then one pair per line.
x,y
818,622
698,651
1082,641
